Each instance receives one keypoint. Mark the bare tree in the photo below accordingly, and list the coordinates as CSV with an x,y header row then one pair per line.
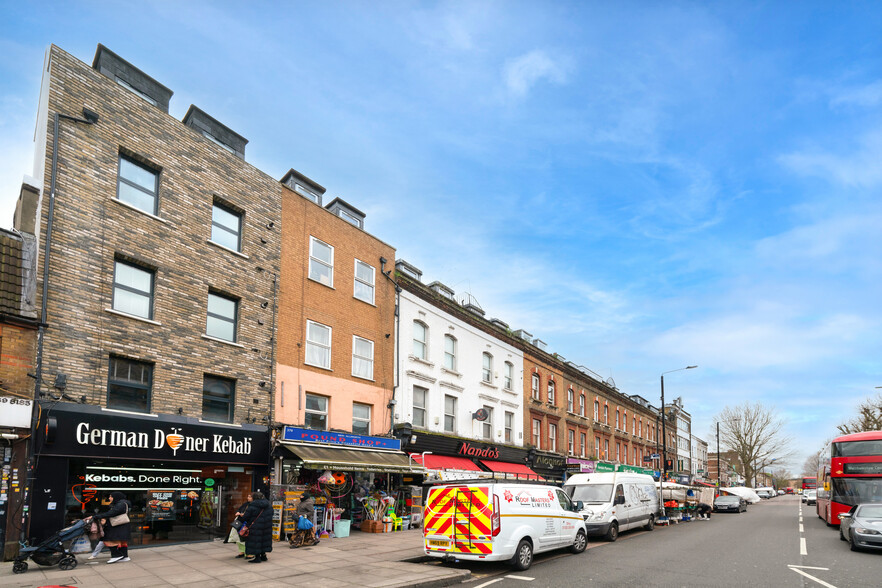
x,y
813,462
781,478
755,434
869,417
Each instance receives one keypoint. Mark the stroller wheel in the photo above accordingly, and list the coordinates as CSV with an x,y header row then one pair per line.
x,y
19,567
69,562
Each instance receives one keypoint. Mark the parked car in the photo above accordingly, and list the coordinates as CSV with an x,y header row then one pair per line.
x,y
730,504
811,497
614,502
765,492
498,521
780,493
861,526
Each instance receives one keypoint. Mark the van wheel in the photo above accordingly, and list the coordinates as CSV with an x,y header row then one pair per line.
x,y
523,557
580,543
650,525
613,532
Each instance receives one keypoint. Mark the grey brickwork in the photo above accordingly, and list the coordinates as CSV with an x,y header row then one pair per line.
x,y
92,228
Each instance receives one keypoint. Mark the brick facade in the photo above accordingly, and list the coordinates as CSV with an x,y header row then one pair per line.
x,y
93,228
303,299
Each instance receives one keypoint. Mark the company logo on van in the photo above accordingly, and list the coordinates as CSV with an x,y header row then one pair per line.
x,y
527,498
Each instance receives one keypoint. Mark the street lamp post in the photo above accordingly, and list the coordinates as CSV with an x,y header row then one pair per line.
x,y
663,419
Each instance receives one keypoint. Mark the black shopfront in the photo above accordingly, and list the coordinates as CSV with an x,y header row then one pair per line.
x,y
185,478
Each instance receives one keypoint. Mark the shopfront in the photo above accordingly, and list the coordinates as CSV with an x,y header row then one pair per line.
x,y
185,478
450,458
351,474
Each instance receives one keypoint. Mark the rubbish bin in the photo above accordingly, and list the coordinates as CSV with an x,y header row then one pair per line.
x,y
341,528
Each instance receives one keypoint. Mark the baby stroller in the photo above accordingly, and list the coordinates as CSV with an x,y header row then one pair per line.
x,y
52,551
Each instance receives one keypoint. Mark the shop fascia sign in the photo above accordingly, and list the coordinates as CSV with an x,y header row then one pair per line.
x,y
549,461
466,448
298,435
159,438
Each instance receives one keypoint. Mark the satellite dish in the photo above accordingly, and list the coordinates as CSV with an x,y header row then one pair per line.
x,y
482,414
610,382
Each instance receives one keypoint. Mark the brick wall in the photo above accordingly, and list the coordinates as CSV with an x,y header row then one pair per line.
x,y
17,349
91,228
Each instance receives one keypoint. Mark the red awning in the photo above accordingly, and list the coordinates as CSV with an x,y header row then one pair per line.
x,y
521,471
445,462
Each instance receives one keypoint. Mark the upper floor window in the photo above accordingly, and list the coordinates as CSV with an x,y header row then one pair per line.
x,y
221,321
318,345
552,437
487,368
321,262
129,384
137,185
509,427
133,290
537,433
596,410
487,425
364,281
606,414
450,414
135,90
450,352
420,340
583,441
362,358
633,425
570,399
226,227
581,405
534,386
419,406
316,412
509,375
571,442
218,399
618,420
550,391
361,418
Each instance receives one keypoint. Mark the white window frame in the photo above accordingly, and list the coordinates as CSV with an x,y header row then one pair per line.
x,y
534,383
571,442
571,400
552,437
486,368
583,444
371,286
597,410
449,415
537,433
325,412
309,344
420,408
487,425
369,361
581,405
508,425
313,259
551,391
361,420
508,376
450,354
424,342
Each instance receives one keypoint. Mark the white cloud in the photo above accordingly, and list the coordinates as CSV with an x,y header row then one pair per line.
x,y
858,169
524,72
867,96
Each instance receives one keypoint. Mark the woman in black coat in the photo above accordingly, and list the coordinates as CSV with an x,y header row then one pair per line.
x,y
259,518
116,537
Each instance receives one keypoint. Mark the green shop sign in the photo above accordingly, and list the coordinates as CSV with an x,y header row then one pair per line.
x,y
603,466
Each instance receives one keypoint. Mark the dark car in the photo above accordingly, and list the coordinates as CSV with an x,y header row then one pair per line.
x,y
729,504
861,526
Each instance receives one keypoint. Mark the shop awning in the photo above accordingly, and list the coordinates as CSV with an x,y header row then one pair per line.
x,y
352,460
520,471
446,462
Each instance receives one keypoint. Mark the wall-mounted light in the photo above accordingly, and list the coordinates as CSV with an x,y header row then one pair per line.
x,y
261,384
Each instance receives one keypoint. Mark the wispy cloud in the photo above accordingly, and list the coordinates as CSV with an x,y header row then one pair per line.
x,y
524,72
858,169
866,96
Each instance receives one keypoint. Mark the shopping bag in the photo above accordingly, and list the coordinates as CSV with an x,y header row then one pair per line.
x,y
233,537
304,524
81,545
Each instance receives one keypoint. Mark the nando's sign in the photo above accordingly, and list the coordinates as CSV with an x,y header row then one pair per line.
x,y
466,448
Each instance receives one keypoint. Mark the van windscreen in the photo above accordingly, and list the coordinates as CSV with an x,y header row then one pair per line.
x,y
591,493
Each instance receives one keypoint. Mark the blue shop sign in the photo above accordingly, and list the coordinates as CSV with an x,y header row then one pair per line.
x,y
342,439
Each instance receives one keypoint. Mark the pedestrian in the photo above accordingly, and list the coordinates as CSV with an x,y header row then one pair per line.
x,y
306,509
258,517
240,542
116,536
96,535
703,510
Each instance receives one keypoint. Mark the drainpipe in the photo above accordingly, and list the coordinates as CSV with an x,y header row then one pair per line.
x,y
90,118
392,401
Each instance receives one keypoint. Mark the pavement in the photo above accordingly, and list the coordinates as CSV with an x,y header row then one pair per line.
x,y
372,560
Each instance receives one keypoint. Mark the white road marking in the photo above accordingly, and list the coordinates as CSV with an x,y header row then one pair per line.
x,y
501,579
525,578
802,550
810,577
806,567
801,529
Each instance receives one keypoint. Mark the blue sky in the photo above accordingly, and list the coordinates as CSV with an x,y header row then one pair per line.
x,y
643,186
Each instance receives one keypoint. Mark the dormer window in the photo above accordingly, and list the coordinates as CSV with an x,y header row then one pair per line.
x,y
308,194
132,88
216,142
349,218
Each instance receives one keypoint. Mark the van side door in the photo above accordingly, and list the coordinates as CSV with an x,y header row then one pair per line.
x,y
568,526
621,507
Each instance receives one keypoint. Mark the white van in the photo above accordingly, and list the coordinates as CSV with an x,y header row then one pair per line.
x,y
498,521
614,502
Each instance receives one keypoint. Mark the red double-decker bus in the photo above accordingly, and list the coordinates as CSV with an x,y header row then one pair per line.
x,y
809,483
852,476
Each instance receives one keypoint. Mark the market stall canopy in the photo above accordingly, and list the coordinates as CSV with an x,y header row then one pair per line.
x,y
353,460
520,471
744,492
445,462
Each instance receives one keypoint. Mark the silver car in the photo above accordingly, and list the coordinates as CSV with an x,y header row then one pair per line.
x,y
861,526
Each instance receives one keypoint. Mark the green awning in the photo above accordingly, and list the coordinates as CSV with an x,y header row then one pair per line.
x,y
318,457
